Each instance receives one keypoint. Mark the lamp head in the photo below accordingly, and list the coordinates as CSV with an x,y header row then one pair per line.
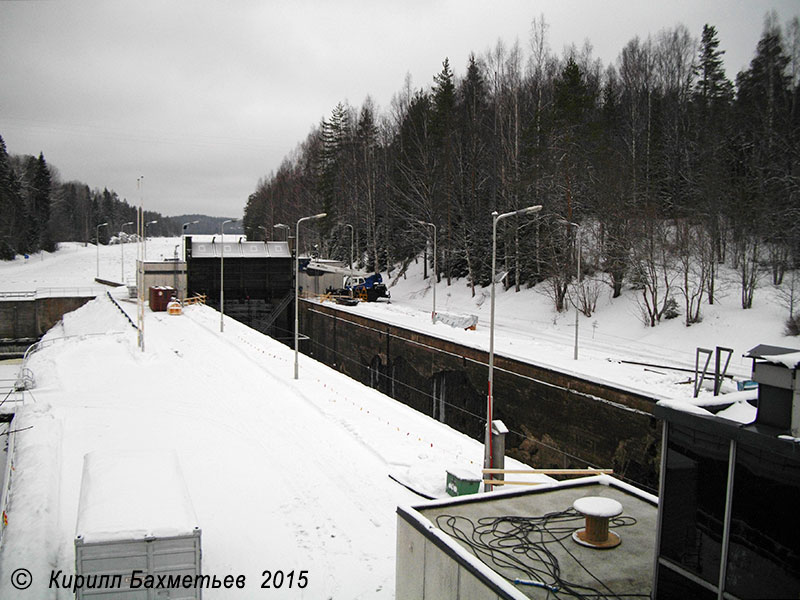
x,y
530,210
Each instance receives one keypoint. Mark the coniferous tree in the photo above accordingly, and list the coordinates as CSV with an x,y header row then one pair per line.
x,y
472,153
710,104
443,133
11,208
766,197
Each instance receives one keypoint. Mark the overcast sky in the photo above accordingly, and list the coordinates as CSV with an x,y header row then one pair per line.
x,y
205,98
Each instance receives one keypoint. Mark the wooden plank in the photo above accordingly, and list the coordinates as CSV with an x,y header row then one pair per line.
x,y
504,482
548,471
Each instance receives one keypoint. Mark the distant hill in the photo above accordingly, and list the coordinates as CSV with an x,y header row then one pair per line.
x,y
206,224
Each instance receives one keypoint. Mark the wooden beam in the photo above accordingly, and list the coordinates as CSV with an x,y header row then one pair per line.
x,y
548,471
503,482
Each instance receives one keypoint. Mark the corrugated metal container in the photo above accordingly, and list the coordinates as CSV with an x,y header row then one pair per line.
x,y
135,514
160,295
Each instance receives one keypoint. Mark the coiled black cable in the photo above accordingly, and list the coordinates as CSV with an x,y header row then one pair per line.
x,y
527,545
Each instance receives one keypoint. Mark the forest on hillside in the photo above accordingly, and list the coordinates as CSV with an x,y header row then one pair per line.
x,y
654,170
37,210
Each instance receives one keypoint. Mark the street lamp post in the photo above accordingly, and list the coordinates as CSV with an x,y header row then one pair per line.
x,y
145,236
222,275
265,233
435,272
487,454
183,236
97,239
352,234
122,252
297,288
286,229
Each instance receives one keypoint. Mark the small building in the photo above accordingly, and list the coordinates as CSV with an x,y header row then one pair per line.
x,y
519,544
164,273
730,492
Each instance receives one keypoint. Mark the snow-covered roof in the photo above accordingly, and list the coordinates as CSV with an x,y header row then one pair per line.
x,y
237,247
132,495
334,266
788,357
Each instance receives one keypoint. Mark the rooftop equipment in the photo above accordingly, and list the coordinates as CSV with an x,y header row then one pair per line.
x,y
775,371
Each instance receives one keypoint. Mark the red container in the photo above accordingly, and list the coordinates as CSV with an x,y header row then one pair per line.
x,y
160,295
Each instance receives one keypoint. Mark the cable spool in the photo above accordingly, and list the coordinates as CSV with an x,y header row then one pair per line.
x,y
598,511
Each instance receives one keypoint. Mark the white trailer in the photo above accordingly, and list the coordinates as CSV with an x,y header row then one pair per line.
x,y
135,519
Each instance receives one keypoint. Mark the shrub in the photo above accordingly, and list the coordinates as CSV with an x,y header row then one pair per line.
x,y
793,325
671,308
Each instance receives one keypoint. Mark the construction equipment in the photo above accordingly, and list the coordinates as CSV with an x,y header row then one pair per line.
x,y
354,284
367,288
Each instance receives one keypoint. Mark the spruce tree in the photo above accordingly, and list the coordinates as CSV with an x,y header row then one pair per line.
x,y
41,201
10,206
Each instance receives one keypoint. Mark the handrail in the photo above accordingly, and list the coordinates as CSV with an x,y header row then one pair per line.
x,y
17,295
4,493
35,347
110,297
52,292
25,379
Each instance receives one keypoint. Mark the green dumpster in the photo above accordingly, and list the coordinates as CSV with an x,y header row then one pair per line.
x,y
461,482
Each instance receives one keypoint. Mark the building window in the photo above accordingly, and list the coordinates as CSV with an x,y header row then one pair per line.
x,y
763,552
693,500
672,585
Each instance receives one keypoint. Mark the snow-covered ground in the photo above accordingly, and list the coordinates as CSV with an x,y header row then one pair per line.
x,y
285,474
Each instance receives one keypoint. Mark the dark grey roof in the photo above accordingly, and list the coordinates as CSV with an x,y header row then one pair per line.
x,y
763,350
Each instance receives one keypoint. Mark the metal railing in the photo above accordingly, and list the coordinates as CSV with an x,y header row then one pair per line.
x,y
110,297
6,476
25,376
52,292
25,379
18,295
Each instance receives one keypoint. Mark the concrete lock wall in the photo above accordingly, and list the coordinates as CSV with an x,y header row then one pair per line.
x,y
32,318
556,420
